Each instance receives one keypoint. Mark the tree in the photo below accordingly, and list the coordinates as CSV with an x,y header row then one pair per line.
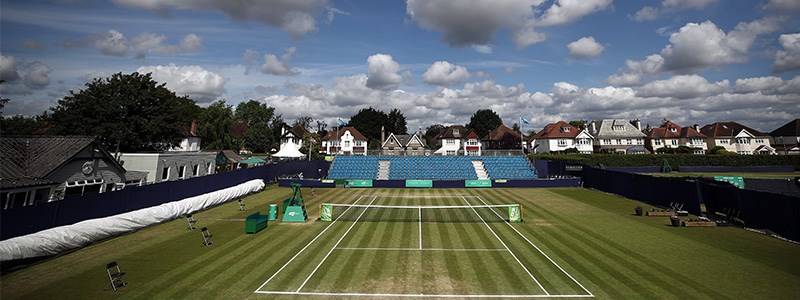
x,y
126,112
432,131
256,116
3,101
305,122
216,124
581,124
369,121
397,122
276,124
322,128
312,140
515,127
483,121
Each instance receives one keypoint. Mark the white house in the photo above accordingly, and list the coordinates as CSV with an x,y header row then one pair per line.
x,y
170,166
735,137
560,136
191,140
457,140
293,135
671,135
618,136
346,140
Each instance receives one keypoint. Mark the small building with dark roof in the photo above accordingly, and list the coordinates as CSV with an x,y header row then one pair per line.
x,y
36,169
786,139
502,138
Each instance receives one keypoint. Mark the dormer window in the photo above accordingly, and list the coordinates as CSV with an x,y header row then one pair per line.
x,y
455,131
564,129
673,129
618,128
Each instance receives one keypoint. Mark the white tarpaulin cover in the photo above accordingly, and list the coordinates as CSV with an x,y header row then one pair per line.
x,y
59,239
289,150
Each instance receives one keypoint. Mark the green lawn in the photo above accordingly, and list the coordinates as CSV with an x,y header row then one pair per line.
x,y
591,236
760,175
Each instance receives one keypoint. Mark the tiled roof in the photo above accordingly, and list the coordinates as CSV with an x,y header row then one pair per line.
x,y
556,131
728,129
28,160
790,129
666,132
454,132
332,136
298,130
239,129
500,133
606,130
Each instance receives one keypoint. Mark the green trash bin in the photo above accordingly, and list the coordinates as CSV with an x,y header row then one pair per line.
x,y
273,212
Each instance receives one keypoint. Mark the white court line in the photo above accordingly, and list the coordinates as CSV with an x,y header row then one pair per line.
x,y
334,246
542,252
420,228
509,250
427,249
427,196
304,248
418,295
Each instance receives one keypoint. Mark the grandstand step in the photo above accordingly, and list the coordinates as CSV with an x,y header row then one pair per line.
x,y
480,170
383,169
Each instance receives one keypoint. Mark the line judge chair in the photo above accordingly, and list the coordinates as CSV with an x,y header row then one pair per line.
x,y
115,275
206,237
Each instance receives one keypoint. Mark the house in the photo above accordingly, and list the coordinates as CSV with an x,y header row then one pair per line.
x,y
560,136
191,139
35,169
502,138
671,135
786,139
226,160
169,166
737,138
404,144
291,142
617,136
458,140
346,140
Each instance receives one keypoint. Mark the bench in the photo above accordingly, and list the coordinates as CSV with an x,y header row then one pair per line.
x,y
255,222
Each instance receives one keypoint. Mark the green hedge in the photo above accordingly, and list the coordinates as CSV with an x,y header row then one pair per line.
x,y
618,160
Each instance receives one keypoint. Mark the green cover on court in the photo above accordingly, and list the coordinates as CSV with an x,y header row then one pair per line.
x,y
738,181
478,183
419,183
360,183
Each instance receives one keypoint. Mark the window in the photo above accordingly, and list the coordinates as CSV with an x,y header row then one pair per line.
x,y
619,141
347,143
618,128
472,142
673,142
182,172
472,152
724,141
583,141
673,129
698,151
455,131
450,142
630,142
165,173
759,141
697,141
565,129
742,141
451,152
208,169
196,170
562,142
83,187
640,141
657,142
607,142
359,143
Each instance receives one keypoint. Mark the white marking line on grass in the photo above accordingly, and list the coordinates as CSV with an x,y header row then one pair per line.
x,y
542,252
426,249
504,245
424,196
420,228
335,245
418,295
304,248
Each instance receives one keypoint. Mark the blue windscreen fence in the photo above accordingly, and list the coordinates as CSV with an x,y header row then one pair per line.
x,y
29,219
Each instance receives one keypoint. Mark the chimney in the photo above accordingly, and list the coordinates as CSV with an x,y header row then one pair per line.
x,y
594,127
696,127
638,124
419,131
383,135
283,130
193,129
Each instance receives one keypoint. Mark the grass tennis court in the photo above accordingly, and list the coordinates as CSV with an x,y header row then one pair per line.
x,y
573,243
758,175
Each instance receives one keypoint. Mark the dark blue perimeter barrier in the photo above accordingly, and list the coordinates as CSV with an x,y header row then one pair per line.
x,y
29,219
756,169
652,169
779,213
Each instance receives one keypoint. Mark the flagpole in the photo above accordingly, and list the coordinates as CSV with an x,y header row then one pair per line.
x,y
521,137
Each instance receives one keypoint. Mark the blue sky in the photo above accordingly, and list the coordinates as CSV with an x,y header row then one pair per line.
x,y
691,61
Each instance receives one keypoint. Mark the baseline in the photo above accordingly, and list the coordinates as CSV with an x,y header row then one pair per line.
x,y
419,295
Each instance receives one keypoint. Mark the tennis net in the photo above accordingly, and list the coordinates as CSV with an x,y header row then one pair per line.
x,y
424,213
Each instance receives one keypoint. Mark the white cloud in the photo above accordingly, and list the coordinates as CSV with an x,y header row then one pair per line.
x,y
757,84
38,76
585,47
114,43
297,17
696,47
527,35
649,13
194,81
280,67
782,5
485,49
8,69
568,11
383,72
682,87
445,73
788,59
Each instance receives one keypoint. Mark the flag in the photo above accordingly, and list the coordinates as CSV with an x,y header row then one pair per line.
x,y
523,121
341,122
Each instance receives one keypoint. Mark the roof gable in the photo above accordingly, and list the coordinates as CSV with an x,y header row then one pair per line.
x,y
671,130
335,135
502,132
727,129
557,130
613,128
790,129
38,156
454,132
